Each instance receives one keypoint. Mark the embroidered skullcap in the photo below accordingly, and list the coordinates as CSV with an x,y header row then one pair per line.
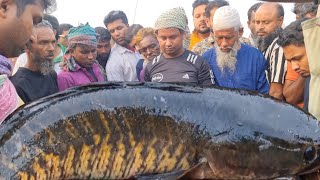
x,y
83,34
173,18
226,17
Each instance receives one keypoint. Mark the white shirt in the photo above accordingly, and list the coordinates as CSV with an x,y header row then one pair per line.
x,y
20,62
122,64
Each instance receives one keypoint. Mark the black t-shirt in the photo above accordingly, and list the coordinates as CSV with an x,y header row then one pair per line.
x,y
32,85
187,68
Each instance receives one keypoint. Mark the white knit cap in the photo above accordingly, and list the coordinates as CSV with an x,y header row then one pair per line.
x,y
226,17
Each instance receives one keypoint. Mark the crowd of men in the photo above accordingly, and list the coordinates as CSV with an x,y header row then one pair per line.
x,y
40,57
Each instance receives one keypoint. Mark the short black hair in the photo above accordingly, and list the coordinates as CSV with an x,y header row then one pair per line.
x,y
197,3
304,8
292,34
280,10
253,8
54,22
115,15
48,5
64,27
132,31
103,34
215,3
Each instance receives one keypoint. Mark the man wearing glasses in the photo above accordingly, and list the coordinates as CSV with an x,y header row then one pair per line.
x,y
148,46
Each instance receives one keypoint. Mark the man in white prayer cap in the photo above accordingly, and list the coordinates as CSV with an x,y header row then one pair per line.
x,y
176,64
235,65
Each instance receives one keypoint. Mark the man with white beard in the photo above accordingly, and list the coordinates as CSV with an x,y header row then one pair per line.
x,y
37,78
235,65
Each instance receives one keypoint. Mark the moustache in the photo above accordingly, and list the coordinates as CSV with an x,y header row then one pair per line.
x,y
261,32
50,53
103,55
227,48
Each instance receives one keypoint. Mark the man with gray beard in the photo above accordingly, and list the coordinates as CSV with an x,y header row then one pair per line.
x,y
268,22
37,78
235,65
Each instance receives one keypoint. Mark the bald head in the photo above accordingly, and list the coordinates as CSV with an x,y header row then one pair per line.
x,y
268,18
273,8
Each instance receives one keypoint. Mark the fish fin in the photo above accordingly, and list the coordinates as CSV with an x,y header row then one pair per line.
x,y
164,176
200,171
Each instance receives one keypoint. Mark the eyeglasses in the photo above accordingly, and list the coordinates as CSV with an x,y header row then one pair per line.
x,y
151,47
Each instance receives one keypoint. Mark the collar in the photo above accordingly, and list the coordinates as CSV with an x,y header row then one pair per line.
x,y
63,49
78,67
121,49
195,33
211,39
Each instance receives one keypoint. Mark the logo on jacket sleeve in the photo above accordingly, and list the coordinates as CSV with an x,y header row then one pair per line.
x,y
157,77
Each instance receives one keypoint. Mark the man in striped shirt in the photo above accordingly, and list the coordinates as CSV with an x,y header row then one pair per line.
x,y
268,22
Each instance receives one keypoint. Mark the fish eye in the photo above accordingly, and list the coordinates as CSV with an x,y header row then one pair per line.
x,y
310,154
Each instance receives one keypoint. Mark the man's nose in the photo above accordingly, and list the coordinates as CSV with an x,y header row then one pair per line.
x,y
168,42
104,50
259,27
203,18
91,56
51,46
224,43
117,33
295,65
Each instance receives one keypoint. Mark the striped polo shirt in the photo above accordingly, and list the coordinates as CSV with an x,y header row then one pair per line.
x,y
277,65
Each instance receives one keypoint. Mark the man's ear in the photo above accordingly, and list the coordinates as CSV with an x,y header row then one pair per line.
x,y
207,22
281,21
54,31
32,40
4,6
182,33
241,31
26,49
71,51
28,46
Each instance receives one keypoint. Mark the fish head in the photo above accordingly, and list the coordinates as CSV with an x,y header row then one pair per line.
x,y
262,157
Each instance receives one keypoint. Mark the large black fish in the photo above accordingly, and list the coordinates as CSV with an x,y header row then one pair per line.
x,y
296,1
118,131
